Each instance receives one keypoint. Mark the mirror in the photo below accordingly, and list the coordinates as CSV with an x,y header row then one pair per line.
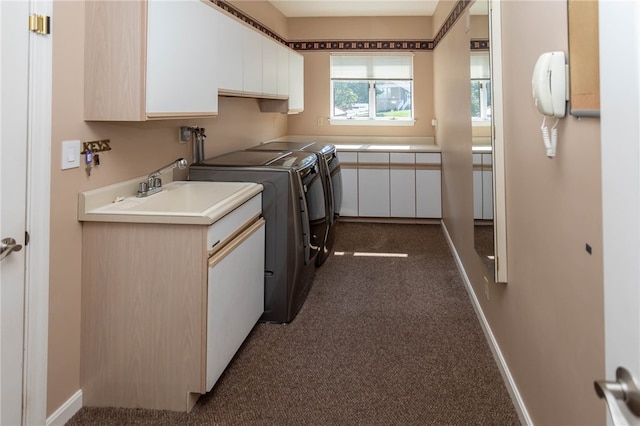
x,y
481,120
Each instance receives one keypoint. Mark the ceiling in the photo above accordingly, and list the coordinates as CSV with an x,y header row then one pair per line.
x,y
324,8
331,8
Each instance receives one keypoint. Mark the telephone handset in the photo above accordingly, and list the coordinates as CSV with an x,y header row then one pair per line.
x,y
549,87
549,84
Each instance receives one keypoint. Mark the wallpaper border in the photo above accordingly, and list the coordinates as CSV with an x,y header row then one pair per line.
x,y
361,45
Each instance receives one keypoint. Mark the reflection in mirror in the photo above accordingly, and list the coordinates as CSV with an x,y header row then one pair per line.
x,y
481,132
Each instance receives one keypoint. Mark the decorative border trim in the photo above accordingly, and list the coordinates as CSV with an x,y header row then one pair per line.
x,y
480,44
248,20
362,45
455,13
359,45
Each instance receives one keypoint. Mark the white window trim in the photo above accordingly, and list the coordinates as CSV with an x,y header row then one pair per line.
x,y
372,121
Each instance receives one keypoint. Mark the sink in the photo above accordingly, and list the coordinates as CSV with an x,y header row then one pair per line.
x,y
176,197
183,202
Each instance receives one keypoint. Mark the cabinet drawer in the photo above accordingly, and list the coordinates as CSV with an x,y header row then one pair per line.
x,y
348,157
233,223
373,157
427,158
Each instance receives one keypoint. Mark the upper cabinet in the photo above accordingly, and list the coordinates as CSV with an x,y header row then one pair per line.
x,y
159,59
150,60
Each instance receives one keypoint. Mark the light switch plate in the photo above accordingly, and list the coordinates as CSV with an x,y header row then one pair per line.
x,y
70,154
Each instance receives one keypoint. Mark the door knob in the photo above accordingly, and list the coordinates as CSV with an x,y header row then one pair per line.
x,y
623,389
7,246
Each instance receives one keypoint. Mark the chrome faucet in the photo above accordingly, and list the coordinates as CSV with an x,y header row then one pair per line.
x,y
154,183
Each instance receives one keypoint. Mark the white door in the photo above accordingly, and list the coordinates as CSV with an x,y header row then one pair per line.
x,y
14,48
620,120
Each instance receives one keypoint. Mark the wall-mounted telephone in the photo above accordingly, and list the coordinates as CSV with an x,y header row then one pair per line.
x,y
549,87
550,84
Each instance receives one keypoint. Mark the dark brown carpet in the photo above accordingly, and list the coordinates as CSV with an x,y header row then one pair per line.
x,y
379,341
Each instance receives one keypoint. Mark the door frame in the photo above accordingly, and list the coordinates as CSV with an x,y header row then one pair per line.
x,y
620,133
36,330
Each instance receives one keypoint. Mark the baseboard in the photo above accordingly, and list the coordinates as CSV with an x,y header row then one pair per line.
x,y
63,414
521,409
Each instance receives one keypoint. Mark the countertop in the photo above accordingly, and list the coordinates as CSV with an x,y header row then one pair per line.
x,y
369,143
180,202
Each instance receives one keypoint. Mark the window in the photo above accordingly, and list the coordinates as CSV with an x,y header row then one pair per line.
x,y
480,89
372,89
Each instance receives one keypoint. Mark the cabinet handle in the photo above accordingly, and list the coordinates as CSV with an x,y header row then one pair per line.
x,y
224,251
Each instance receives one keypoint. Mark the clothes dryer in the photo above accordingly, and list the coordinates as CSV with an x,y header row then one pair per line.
x,y
332,182
289,205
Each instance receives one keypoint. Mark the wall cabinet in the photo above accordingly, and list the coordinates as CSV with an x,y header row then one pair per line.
x,y
391,184
230,54
483,186
150,59
166,306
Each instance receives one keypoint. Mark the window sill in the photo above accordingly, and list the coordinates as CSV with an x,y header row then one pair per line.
x,y
480,123
369,122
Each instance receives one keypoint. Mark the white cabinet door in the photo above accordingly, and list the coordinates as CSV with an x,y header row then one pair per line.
x,y
428,185
477,186
229,53
252,61
373,184
283,71
182,64
349,173
235,296
269,66
402,184
487,186
296,82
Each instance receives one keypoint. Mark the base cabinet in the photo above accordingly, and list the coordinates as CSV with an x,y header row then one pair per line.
x,y
391,185
164,310
482,186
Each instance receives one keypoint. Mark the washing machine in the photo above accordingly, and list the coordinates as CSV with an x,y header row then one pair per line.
x,y
332,182
292,202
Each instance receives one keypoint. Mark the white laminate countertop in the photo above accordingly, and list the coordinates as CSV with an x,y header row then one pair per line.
x,y
180,202
369,143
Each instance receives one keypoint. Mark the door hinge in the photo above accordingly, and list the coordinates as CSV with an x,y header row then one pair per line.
x,y
26,238
40,24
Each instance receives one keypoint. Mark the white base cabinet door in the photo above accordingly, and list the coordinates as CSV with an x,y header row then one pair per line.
x,y
349,172
235,296
402,180
428,185
373,184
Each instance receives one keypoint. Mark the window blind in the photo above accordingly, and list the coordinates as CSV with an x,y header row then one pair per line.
x,y
480,66
372,67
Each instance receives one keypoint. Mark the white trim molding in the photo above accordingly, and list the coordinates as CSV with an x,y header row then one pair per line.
x,y
38,216
63,414
510,384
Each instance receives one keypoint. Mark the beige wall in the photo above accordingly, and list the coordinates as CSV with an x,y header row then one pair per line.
x,y
263,12
317,88
548,319
137,149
